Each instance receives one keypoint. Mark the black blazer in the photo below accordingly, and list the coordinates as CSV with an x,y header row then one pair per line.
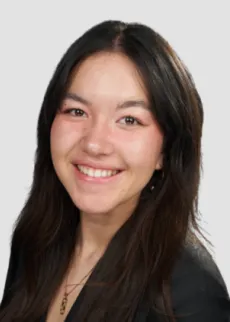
x,y
199,293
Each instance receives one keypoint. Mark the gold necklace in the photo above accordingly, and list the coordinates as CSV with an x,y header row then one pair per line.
x,y
64,301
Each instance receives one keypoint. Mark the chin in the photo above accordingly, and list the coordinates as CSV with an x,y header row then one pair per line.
x,y
90,210
94,205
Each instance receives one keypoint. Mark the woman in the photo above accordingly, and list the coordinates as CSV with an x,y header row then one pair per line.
x,y
109,231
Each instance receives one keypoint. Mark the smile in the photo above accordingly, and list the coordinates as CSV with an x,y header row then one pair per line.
x,y
96,173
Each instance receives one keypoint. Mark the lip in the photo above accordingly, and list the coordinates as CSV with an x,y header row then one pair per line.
x,y
96,166
99,180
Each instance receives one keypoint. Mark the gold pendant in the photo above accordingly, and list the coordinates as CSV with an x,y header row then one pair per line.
x,y
64,304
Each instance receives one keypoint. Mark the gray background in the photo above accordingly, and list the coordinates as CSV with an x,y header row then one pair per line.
x,y
33,37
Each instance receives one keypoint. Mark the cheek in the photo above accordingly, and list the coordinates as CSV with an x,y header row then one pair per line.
x,y
61,138
143,151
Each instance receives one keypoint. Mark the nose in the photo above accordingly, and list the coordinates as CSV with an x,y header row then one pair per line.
x,y
96,140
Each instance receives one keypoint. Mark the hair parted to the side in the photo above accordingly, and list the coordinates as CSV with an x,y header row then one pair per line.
x,y
137,264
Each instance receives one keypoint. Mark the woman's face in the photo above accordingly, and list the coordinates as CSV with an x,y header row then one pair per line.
x,y
105,143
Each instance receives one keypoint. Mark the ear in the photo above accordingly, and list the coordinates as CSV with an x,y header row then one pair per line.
x,y
159,164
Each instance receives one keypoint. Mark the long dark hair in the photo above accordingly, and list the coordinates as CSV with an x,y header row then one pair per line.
x,y
137,265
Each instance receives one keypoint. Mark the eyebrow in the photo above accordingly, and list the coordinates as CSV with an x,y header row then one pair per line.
x,y
130,103
76,98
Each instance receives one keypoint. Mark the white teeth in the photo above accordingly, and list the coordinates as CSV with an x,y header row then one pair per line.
x,y
97,173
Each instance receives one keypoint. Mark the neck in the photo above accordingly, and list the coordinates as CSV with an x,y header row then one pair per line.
x,y
97,230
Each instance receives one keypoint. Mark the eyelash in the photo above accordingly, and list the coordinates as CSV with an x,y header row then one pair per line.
x,y
137,122
70,110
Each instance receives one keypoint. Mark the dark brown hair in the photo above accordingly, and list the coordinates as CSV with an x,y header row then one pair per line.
x,y
137,265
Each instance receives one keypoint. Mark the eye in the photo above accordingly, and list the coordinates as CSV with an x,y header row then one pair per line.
x,y
74,112
130,120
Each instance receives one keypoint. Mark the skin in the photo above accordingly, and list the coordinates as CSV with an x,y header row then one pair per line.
x,y
100,132
107,132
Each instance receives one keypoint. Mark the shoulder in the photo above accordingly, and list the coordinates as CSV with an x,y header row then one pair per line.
x,y
198,288
198,291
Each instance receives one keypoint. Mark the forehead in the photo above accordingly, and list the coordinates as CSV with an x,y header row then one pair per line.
x,y
110,75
